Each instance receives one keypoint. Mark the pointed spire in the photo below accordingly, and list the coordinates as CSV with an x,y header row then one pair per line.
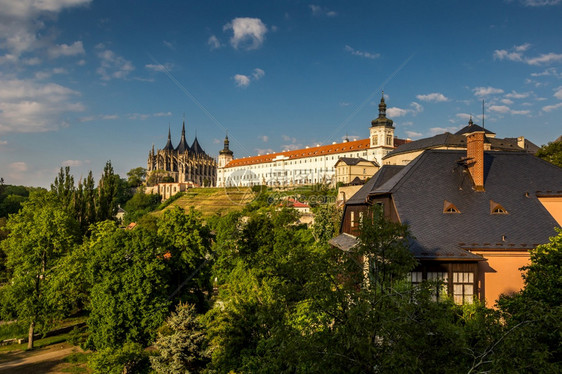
x,y
382,107
226,150
382,120
182,146
470,123
169,146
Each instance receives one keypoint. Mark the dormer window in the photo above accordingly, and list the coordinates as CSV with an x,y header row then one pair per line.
x,y
450,208
496,208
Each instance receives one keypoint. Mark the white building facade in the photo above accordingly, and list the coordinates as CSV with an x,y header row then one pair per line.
x,y
311,165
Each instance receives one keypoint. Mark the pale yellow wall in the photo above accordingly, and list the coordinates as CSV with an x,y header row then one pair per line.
x,y
405,158
345,193
554,206
500,273
363,170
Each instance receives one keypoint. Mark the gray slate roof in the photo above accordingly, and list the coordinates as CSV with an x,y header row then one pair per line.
x,y
420,189
452,141
354,161
383,175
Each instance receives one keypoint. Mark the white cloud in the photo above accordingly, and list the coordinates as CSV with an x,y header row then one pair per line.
x,y
245,80
32,106
433,97
558,93
485,91
248,33
517,95
159,67
547,72
537,3
242,80
396,112
520,112
544,59
319,11
356,52
418,108
112,66
502,54
506,101
258,74
162,114
169,45
441,130
344,103
549,108
108,117
214,42
499,108
263,151
291,147
263,138
465,116
19,166
413,134
21,22
71,163
59,50
523,47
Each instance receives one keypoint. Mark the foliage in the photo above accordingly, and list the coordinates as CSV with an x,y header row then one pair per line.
x,y
11,198
106,203
136,177
551,152
126,271
140,204
41,235
532,316
127,359
187,242
170,200
181,343
326,222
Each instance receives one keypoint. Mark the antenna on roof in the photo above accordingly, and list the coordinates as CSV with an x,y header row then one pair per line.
x,y
482,113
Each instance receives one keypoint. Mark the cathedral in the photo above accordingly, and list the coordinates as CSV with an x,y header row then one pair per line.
x,y
183,164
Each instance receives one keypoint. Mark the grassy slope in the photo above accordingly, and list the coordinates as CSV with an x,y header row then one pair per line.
x,y
212,201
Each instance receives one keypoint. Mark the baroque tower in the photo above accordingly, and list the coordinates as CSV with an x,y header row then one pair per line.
x,y
381,134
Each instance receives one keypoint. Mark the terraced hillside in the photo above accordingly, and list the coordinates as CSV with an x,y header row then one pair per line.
x,y
211,201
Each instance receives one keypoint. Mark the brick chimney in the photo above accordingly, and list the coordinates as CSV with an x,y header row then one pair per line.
x,y
475,152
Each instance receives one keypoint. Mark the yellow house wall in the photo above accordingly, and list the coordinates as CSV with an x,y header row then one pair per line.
x,y
554,206
500,273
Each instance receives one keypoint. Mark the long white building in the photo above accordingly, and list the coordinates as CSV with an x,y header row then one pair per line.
x,y
310,165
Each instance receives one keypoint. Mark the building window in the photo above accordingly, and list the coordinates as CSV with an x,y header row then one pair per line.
x,y
416,277
463,287
375,140
442,277
449,207
496,208
352,216
388,139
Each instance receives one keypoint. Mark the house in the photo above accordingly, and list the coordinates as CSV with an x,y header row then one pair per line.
x,y
350,169
473,214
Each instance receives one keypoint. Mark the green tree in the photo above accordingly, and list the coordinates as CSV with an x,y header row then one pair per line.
x,y
136,177
187,241
106,202
40,236
126,270
63,187
181,343
326,222
140,204
532,337
551,152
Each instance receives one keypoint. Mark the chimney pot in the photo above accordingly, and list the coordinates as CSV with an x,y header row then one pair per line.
x,y
475,151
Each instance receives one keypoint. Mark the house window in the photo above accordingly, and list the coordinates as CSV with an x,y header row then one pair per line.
x,y
352,218
439,276
496,208
463,287
416,277
388,139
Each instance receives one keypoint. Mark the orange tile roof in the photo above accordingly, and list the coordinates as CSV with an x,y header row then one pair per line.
x,y
323,150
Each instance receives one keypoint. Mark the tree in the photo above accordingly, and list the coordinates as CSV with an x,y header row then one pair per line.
x,y
326,222
40,236
127,273
140,204
106,202
63,187
551,152
136,177
532,316
181,343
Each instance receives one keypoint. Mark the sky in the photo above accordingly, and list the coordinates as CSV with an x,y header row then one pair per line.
x,y
87,81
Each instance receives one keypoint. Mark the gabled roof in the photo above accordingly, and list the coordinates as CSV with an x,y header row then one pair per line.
x,y
472,127
382,176
354,161
512,179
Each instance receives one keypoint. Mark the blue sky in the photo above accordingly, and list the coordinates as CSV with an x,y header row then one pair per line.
x,y
86,81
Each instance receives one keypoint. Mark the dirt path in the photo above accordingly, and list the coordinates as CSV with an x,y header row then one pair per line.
x,y
23,361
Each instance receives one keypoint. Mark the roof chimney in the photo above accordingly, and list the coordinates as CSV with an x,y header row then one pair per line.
x,y
475,152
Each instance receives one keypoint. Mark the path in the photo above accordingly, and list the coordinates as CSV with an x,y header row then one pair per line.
x,y
55,352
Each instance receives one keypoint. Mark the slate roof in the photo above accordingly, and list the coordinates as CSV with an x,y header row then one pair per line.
x,y
354,161
472,127
512,179
345,242
196,148
183,147
169,146
383,175
451,141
